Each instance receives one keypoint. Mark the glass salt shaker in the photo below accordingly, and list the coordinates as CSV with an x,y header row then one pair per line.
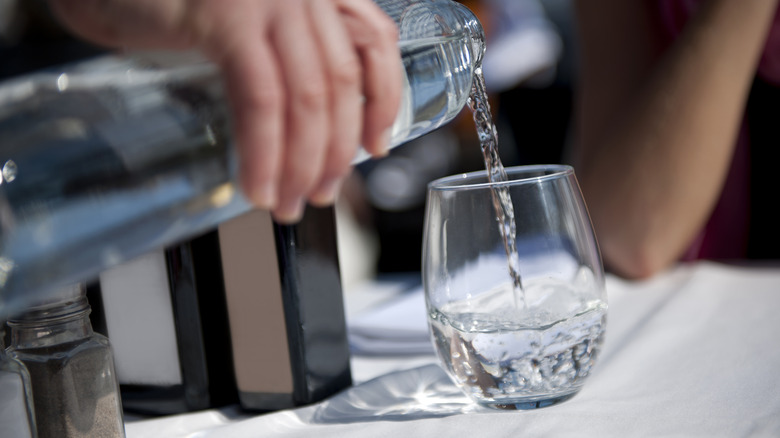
x,y
16,410
75,390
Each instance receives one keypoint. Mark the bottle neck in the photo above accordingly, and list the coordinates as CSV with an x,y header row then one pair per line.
x,y
52,326
475,32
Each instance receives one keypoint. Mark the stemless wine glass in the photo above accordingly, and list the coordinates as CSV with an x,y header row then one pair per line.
x,y
514,344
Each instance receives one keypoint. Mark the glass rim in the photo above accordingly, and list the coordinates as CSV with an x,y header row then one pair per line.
x,y
478,179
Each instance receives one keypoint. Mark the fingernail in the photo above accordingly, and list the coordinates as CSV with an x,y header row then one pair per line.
x,y
289,211
326,193
382,147
263,196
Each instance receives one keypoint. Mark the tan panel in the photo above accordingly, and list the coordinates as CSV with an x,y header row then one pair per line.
x,y
255,308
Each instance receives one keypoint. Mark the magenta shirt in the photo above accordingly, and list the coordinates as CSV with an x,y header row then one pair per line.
x,y
725,236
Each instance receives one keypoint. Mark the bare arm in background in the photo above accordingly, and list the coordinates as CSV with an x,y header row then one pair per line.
x,y
297,73
656,131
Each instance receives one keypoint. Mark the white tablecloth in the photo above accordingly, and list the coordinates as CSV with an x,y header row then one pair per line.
x,y
692,352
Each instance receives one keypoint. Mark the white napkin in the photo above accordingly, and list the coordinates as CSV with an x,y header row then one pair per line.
x,y
398,327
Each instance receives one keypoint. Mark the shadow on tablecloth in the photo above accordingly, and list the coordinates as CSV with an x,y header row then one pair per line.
x,y
424,392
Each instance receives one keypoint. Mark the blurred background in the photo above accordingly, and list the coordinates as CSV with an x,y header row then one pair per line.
x,y
529,69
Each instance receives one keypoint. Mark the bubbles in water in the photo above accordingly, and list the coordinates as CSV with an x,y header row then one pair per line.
x,y
510,363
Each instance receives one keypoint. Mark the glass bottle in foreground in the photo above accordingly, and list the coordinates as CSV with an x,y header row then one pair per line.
x,y
108,159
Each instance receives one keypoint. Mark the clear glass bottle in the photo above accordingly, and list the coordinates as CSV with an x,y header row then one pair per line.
x,y
75,391
108,159
16,411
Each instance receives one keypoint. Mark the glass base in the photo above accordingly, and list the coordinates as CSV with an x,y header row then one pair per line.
x,y
528,403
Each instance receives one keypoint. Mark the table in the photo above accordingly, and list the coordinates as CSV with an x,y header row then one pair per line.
x,y
691,352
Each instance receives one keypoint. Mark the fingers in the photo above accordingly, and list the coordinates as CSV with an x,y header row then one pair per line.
x,y
317,79
255,92
308,107
376,37
339,78
344,74
308,81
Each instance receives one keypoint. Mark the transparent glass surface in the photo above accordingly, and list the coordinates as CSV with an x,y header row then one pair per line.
x,y
16,410
507,347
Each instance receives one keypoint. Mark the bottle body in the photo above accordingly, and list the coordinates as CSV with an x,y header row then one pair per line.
x,y
108,159
75,392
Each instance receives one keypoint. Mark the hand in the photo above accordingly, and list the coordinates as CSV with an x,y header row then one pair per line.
x,y
308,80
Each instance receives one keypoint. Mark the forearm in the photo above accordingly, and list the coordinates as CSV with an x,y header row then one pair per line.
x,y
134,23
653,156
